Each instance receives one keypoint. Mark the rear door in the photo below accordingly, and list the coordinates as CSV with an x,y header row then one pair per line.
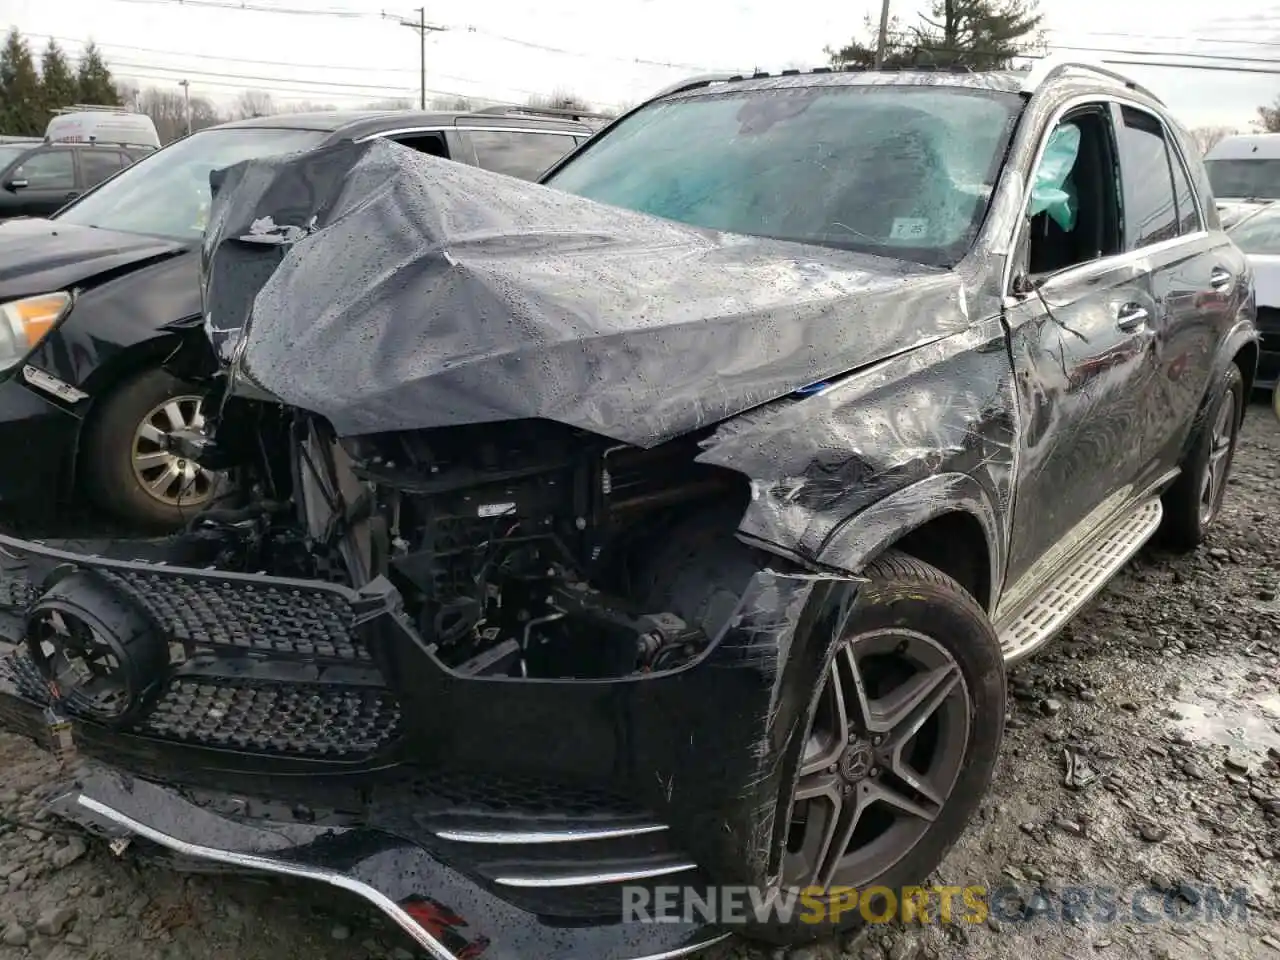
x,y
1196,277
97,164
517,152
40,183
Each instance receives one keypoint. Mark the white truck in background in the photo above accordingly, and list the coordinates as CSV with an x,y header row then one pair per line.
x,y
89,124
1244,171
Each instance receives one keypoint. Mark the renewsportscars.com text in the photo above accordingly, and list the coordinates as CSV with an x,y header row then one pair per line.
x,y
938,904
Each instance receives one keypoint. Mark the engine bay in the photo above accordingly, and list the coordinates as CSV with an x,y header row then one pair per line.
x,y
522,549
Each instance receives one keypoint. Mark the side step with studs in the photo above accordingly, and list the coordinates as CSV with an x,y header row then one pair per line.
x,y
1080,579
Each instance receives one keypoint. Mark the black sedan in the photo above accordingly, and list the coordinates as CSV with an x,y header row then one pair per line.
x,y
96,295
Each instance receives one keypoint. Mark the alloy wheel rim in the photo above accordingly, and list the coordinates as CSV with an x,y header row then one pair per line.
x,y
165,476
1221,444
884,751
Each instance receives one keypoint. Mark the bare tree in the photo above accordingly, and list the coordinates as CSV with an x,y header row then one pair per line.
x,y
449,103
1269,117
254,103
307,106
393,104
167,109
558,99
1206,137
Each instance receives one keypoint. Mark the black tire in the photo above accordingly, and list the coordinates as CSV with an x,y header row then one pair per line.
x,y
1185,523
106,463
902,593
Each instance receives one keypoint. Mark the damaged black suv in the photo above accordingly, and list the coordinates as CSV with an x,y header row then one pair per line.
x,y
667,524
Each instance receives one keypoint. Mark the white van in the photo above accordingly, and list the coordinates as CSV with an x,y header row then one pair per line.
x,y
1244,171
102,126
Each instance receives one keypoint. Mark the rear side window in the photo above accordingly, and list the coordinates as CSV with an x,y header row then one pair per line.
x,y
97,165
524,155
1150,210
48,170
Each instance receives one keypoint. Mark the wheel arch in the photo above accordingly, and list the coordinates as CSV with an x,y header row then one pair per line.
x,y
127,363
946,520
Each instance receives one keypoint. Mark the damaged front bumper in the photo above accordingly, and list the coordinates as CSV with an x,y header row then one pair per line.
x,y
304,728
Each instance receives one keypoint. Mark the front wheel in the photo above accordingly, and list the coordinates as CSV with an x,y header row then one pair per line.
x,y
901,746
125,464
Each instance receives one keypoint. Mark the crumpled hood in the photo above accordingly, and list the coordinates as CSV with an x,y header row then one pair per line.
x,y
39,256
387,290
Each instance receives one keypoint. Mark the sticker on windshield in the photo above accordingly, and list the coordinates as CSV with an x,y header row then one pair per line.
x,y
909,228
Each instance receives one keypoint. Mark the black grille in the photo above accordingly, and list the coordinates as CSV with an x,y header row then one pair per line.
x,y
252,617
282,719
512,794
291,719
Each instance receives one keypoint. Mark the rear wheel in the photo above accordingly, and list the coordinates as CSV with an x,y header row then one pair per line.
x,y
1193,502
125,464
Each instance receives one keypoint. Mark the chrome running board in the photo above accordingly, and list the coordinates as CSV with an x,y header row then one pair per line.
x,y
1077,581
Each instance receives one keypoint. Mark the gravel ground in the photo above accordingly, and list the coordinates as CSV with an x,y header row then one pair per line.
x,y
1166,695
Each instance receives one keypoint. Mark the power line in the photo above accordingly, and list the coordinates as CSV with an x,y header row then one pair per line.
x,y
1181,39
1166,53
249,6
401,94
261,8
1197,66
273,63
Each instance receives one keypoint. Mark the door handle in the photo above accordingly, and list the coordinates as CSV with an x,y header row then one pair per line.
x,y
1131,316
1220,279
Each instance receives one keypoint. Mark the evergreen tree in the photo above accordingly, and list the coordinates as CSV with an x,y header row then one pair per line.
x,y
57,82
21,111
94,79
982,34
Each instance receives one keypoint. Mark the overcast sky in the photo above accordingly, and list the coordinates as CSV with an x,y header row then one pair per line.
x,y
348,52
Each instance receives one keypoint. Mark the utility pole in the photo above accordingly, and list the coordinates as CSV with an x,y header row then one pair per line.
x,y
186,102
882,41
423,29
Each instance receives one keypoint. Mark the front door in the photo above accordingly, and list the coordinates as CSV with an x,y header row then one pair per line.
x,y
40,183
1082,339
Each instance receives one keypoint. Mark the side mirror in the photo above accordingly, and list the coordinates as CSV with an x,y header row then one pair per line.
x,y
17,184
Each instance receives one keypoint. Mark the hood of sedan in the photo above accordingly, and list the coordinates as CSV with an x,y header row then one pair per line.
x,y
386,291
38,256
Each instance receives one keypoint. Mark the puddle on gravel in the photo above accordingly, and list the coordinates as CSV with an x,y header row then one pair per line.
x,y
1246,722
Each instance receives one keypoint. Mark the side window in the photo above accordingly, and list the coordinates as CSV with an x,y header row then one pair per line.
x,y
1074,213
48,170
97,165
1150,212
1184,196
431,144
524,155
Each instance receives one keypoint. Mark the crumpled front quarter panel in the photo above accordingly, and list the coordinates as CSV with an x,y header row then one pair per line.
x,y
816,462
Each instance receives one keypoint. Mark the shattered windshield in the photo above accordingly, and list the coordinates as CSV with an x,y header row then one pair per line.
x,y
901,171
167,193
1245,178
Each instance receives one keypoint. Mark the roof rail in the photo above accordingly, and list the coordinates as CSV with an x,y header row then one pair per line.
x,y
91,108
1048,68
693,82
545,112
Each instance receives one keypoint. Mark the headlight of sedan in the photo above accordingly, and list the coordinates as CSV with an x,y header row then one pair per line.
x,y
24,323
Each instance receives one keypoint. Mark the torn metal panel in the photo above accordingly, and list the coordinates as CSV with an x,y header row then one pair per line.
x,y
816,462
